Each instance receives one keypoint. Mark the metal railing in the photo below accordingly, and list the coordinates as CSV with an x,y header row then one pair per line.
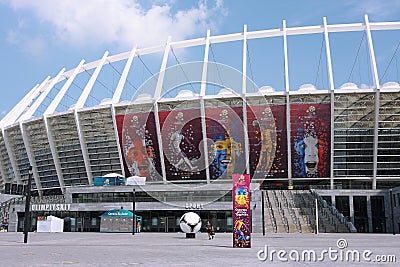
x,y
271,214
334,212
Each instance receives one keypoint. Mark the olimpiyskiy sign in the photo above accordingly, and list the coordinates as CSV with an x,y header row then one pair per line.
x,y
197,139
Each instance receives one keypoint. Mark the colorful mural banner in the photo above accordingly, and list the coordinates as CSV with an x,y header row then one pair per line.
x,y
241,211
181,133
224,127
267,141
310,140
139,145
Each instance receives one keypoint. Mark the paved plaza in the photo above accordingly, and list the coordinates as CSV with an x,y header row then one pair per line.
x,y
173,249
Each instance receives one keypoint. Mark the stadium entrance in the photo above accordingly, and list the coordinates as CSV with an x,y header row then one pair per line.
x,y
152,221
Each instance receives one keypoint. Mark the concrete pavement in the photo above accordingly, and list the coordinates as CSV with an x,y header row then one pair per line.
x,y
173,249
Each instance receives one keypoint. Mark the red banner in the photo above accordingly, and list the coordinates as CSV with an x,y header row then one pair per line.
x,y
310,140
139,145
241,211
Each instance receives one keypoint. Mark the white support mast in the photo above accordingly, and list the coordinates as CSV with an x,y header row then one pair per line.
x,y
332,94
157,95
56,101
287,90
82,99
41,97
244,104
20,107
202,106
122,80
377,100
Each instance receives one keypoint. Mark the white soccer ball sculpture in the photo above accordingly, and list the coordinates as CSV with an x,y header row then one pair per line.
x,y
190,222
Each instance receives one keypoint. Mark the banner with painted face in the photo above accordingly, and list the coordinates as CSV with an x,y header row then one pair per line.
x,y
226,151
310,140
181,134
241,211
266,127
139,145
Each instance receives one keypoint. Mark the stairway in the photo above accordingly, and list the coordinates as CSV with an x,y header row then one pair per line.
x,y
293,211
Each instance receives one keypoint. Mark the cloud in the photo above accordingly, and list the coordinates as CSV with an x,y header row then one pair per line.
x,y
119,22
377,9
35,46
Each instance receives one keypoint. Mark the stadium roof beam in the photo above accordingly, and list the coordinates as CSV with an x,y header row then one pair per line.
x,y
287,89
372,54
377,99
252,35
41,97
25,103
157,95
122,80
82,99
332,92
244,105
79,104
202,94
20,107
54,104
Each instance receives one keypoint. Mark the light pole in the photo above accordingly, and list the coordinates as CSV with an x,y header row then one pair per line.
x,y
392,211
27,206
133,211
263,212
316,216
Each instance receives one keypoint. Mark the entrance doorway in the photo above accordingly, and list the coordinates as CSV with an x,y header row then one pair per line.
x,y
168,224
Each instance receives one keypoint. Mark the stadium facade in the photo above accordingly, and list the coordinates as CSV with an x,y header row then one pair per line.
x,y
343,142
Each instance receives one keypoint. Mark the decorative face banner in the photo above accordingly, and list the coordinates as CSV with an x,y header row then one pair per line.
x,y
138,141
225,129
310,140
267,141
181,134
241,211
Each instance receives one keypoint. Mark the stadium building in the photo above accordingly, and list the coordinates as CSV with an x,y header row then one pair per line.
x,y
172,143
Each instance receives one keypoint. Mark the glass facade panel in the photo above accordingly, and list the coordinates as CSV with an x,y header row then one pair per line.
x,y
18,150
40,147
389,135
66,140
100,140
8,173
353,135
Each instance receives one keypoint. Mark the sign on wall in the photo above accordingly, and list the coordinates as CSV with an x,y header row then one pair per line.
x,y
51,207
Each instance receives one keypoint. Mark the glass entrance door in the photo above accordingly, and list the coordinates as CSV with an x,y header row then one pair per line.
x,y
171,224
168,224
163,227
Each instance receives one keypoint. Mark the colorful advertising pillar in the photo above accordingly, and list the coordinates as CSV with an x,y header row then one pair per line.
x,y
241,211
